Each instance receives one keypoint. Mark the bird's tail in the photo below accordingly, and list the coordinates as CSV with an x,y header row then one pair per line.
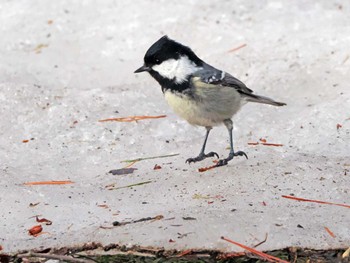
x,y
264,100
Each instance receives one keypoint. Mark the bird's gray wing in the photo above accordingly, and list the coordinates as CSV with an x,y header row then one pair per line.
x,y
214,76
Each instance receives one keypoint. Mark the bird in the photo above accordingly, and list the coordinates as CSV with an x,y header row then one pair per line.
x,y
198,92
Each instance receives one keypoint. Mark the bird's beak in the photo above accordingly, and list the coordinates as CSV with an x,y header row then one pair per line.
x,y
142,69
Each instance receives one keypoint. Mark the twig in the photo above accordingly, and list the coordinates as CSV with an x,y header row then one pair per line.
x,y
256,252
49,183
262,242
204,169
130,164
184,253
237,48
52,256
133,118
329,232
154,218
231,255
130,185
314,201
148,158
265,144
272,144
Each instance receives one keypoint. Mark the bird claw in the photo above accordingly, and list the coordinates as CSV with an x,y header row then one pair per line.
x,y
230,157
241,153
201,157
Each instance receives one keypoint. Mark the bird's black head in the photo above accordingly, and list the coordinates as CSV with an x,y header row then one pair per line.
x,y
170,62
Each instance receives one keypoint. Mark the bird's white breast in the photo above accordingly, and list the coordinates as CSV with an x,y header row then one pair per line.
x,y
209,108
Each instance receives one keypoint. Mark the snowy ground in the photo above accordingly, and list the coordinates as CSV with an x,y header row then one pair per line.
x,y
65,65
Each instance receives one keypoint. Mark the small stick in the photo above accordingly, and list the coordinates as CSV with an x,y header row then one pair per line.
x,y
149,158
272,144
130,164
48,183
154,218
237,48
130,185
314,201
262,242
231,255
133,118
52,256
329,232
184,253
204,169
256,252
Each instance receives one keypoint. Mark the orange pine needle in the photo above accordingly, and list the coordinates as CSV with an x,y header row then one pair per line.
x,y
265,143
314,201
130,164
133,118
256,252
237,48
48,183
184,253
329,232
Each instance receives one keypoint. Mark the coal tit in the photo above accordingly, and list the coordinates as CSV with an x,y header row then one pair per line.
x,y
198,92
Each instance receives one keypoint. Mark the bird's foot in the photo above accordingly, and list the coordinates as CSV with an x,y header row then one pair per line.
x,y
201,157
230,157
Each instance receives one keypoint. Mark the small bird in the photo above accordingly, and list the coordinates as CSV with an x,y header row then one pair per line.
x,y
198,92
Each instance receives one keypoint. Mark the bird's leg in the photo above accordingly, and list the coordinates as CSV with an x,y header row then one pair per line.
x,y
229,126
202,155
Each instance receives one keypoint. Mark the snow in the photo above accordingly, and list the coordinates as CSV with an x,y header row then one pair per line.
x,y
65,65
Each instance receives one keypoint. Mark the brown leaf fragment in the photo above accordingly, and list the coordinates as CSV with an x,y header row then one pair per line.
x,y
122,171
35,230
33,204
157,167
171,241
339,126
43,220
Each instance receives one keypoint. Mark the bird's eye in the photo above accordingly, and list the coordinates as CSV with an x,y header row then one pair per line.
x,y
157,60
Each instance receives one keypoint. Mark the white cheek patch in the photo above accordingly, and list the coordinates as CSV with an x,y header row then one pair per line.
x,y
178,69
